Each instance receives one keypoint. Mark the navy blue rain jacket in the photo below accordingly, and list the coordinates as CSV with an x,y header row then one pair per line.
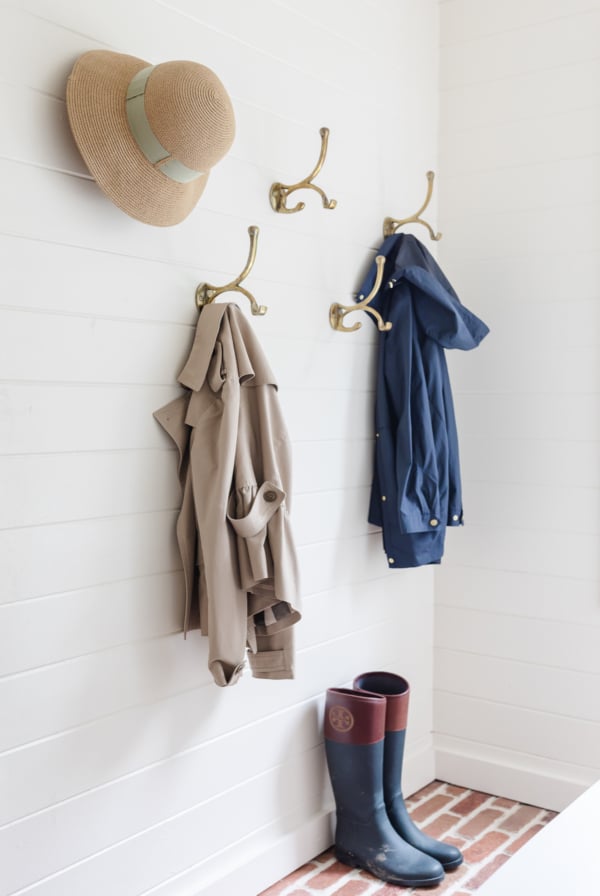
x,y
416,489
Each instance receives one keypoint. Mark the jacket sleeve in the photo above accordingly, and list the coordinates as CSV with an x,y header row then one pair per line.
x,y
172,419
259,516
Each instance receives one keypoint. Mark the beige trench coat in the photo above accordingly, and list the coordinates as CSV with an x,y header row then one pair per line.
x,y
233,531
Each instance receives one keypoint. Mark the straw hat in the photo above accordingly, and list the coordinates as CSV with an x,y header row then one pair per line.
x,y
149,134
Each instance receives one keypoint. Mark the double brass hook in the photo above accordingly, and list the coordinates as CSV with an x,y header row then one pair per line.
x,y
338,312
205,293
391,225
280,192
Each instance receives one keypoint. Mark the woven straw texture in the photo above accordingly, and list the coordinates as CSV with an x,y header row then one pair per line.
x,y
189,111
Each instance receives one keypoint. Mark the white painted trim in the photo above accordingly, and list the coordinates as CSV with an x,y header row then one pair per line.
x,y
419,765
250,866
274,860
518,776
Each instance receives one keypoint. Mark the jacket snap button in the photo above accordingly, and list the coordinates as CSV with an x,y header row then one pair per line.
x,y
455,517
433,522
270,497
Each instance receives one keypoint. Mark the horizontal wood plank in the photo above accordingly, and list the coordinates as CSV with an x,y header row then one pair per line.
x,y
543,642
514,728
466,20
521,683
516,51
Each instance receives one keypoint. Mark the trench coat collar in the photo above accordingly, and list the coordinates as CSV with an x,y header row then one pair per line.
x,y
224,322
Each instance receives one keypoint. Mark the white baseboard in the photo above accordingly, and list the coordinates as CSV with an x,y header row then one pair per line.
x,y
419,765
518,776
264,857
271,861
249,866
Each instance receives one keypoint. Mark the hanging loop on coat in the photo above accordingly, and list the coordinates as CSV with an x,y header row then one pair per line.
x,y
338,312
280,192
391,225
206,293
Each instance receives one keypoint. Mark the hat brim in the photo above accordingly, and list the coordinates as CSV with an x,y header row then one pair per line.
x,y
96,96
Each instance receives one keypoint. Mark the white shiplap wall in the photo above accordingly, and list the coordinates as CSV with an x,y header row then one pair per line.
x,y
517,707
123,769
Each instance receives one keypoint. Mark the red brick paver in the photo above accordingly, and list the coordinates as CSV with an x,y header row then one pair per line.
x,y
440,825
451,879
486,872
324,856
503,803
516,821
512,848
479,823
548,816
425,791
393,890
484,847
456,841
453,790
328,877
353,888
281,885
429,807
473,801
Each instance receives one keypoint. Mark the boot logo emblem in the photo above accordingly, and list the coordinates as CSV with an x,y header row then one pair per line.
x,y
340,718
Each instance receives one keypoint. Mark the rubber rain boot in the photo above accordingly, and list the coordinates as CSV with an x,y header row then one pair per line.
x,y
364,838
396,691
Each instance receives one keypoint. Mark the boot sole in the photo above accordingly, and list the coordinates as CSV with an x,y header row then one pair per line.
x,y
354,862
450,866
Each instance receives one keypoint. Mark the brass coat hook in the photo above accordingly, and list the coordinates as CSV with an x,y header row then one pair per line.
x,y
338,312
205,293
391,225
280,192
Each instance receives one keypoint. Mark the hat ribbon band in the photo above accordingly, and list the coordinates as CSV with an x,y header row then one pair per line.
x,y
145,137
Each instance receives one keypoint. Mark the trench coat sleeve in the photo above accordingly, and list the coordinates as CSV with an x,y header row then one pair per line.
x,y
172,419
259,512
268,569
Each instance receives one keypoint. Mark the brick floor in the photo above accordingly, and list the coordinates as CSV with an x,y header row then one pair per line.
x,y
483,819
440,825
430,807
515,845
488,829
